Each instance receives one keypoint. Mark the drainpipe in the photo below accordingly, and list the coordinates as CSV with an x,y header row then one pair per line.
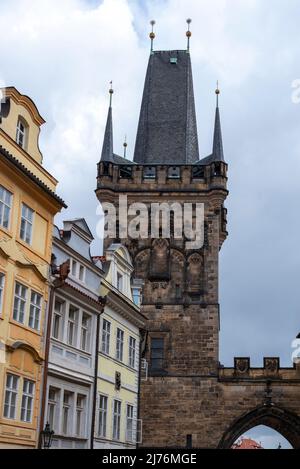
x,y
63,272
102,302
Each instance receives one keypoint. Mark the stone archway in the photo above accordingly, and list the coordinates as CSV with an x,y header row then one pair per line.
x,y
281,420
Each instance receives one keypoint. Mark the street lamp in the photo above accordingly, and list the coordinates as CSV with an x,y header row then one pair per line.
x,y
47,435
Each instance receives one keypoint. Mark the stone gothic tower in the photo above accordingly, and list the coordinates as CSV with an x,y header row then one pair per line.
x,y
180,294
188,398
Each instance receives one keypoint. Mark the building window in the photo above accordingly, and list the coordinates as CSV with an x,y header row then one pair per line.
x,y
105,336
80,413
72,325
157,354
129,423
5,207
66,413
73,268
2,280
85,332
53,396
81,273
136,295
177,291
21,135
132,344
174,172
19,303
77,270
35,310
26,224
58,319
149,172
11,393
116,420
102,416
119,345
27,400
119,281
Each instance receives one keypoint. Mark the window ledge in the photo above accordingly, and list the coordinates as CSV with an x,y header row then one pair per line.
x,y
27,328
72,348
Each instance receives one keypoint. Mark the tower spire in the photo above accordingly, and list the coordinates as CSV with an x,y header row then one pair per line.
x,y
217,153
107,148
152,35
111,91
188,34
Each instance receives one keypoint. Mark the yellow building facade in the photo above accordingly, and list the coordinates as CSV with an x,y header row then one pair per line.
x,y
28,204
117,420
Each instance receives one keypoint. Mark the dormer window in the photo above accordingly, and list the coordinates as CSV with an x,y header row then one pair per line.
x,y
174,172
149,172
22,133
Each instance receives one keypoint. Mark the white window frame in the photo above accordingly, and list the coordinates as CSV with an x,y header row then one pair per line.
x,y
120,281
116,419
119,344
75,325
61,318
2,286
27,400
35,310
102,416
80,411
22,133
81,273
11,396
85,330
77,270
52,407
129,423
26,226
105,337
67,406
132,352
5,207
20,300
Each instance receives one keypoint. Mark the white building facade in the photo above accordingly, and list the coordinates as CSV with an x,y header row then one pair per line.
x,y
74,315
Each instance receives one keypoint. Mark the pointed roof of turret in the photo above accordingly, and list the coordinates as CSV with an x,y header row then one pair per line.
x,y
217,153
107,148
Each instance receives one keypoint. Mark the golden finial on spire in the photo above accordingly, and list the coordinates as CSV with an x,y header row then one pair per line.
x,y
152,34
188,33
217,92
125,146
111,91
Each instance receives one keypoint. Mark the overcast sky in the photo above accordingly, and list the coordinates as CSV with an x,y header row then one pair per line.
x,y
64,53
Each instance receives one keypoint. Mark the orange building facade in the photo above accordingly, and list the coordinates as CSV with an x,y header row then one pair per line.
x,y
28,204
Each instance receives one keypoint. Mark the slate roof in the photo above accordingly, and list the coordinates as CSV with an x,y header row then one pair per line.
x,y
120,160
167,129
217,143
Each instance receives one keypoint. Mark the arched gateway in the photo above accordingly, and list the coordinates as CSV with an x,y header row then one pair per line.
x,y
188,397
279,419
